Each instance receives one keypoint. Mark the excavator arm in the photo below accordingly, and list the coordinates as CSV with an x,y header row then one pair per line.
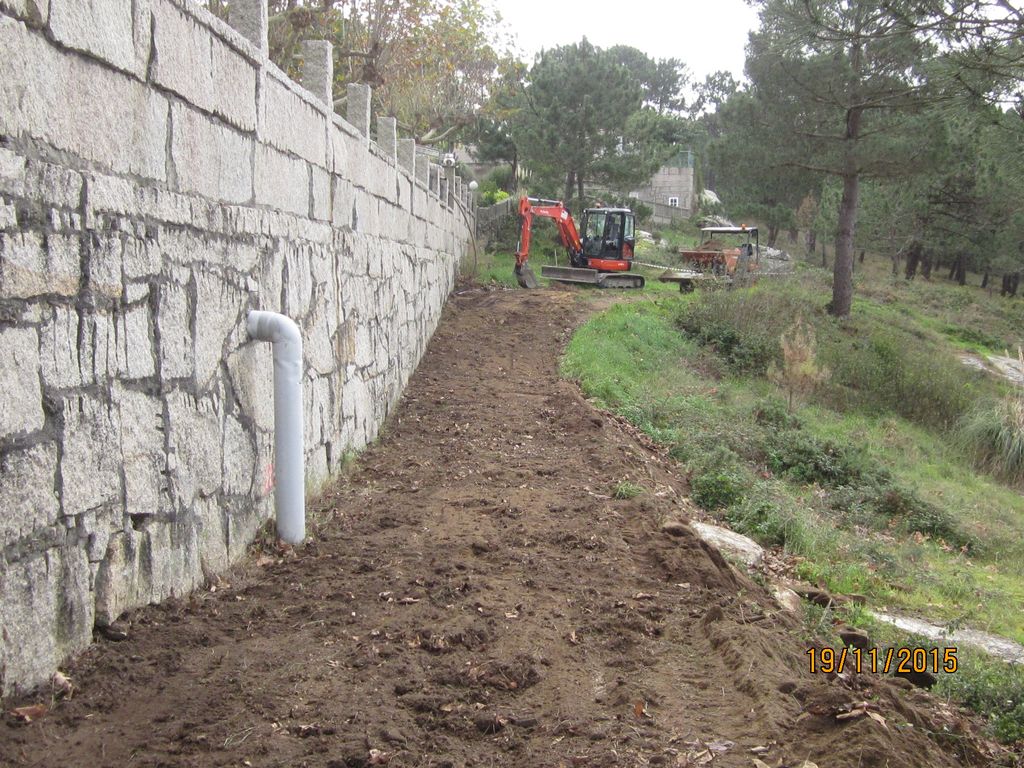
x,y
529,208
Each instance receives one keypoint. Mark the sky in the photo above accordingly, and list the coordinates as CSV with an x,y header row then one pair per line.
x,y
708,35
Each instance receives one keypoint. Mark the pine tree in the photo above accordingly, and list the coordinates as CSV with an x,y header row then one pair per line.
x,y
842,80
572,124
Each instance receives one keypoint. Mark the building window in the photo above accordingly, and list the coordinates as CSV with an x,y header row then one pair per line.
x,y
673,202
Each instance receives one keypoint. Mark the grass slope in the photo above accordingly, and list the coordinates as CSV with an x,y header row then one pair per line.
x,y
863,483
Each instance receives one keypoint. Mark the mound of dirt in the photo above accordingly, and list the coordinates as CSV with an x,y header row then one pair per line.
x,y
712,245
475,596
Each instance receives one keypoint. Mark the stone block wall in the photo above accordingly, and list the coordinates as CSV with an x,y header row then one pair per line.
x,y
159,178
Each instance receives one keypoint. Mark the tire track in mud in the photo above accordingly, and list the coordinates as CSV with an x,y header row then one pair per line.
x,y
474,596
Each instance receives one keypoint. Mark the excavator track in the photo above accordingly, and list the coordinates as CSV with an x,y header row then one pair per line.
x,y
583,276
620,280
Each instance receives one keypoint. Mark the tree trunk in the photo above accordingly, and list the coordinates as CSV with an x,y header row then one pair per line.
x,y
913,259
824,257
1014,284
984,281
952,268
812,242
861,256
773,234
961,269
793,235
842,270
927,262
570,182
579,185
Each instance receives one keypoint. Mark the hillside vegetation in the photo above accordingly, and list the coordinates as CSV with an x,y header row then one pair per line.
x,y
845,444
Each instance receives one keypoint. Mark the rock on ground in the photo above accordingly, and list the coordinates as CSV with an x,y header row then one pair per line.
x,y
731,543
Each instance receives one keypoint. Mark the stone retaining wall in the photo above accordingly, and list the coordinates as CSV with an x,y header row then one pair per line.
x,y
159,178
490,218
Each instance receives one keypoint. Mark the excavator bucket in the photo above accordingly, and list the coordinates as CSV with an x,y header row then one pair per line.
x,y
526,278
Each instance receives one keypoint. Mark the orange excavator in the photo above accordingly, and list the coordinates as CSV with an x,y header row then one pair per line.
x,y
601,256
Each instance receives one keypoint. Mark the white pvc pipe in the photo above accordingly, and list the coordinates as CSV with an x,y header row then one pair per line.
x,y
289,461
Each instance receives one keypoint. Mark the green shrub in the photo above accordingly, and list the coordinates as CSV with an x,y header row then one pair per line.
x,y
879,361
766,519
853,507
744,353
808,459
915,515
719,479
717,489
738,325
490,194
1008,725
886,370
772,412
993,432
992,688
877,501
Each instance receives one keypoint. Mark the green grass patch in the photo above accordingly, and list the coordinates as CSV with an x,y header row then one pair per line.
x,y
879,361
497,268
968,317
624,489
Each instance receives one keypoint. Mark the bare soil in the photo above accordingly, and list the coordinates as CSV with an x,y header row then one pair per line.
x,y
473,595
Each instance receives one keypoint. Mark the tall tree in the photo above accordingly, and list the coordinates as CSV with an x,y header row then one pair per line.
x,y
572,124
999,189
846,82
491,135
983,42
753,176
662,80
716,89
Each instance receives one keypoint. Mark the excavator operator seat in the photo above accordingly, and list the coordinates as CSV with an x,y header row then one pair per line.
x,y
608,234
611,235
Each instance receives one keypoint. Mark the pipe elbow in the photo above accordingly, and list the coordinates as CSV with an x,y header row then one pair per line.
x,y
272,327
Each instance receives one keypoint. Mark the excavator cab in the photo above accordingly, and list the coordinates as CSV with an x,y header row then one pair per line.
x,y
608,239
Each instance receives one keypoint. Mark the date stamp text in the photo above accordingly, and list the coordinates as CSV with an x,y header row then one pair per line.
x,y
899,660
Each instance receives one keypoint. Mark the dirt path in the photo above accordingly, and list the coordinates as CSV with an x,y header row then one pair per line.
x,y
475,597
